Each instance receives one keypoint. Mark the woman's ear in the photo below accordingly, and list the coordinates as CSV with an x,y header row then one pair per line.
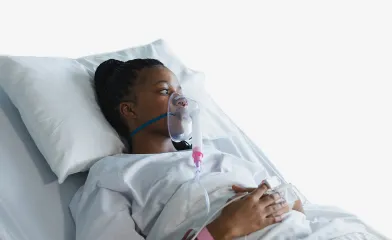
x,y
127,110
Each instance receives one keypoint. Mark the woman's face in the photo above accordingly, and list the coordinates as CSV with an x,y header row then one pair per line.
x,y
152,91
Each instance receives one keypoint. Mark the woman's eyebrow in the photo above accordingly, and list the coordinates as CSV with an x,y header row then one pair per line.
x,y
161,81
168,83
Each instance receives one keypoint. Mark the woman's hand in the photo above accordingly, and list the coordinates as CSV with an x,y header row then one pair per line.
x,y
297,205
247,215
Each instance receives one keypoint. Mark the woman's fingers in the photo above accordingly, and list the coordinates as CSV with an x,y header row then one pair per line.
x,y
235,196
283,210
270,199
277,209
276,219
239,189
258,192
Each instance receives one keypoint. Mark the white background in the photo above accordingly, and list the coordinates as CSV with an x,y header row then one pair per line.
x,y
308,81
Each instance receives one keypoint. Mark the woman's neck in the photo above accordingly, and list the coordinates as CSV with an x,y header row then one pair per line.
x,y
145,143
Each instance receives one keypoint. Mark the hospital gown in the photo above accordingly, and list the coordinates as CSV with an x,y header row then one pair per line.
x,y
153,196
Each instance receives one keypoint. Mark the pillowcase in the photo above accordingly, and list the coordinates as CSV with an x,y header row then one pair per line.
x,y
56,101
57,104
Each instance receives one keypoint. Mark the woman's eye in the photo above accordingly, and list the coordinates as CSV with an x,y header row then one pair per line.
x,y
165,91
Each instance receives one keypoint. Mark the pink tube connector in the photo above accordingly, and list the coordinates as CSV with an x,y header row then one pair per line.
x,y
197,156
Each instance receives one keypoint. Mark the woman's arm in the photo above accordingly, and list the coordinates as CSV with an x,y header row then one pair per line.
x,y
244,216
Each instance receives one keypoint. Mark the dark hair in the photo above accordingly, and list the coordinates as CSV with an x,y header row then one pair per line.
x,y
114,81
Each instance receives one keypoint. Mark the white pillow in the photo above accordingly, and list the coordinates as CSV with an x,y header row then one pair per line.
x,y
158,49
57,103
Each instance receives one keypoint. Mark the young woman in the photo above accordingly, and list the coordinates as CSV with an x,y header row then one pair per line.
x,y
133,92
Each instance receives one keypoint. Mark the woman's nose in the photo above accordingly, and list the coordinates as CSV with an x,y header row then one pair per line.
x,y
182,102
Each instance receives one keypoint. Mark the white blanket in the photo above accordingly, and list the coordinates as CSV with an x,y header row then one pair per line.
x,y
153,196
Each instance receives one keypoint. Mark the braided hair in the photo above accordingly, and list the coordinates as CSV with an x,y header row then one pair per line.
x,y
114,81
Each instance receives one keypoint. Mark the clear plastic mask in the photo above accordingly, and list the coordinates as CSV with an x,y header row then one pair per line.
x,y
179,117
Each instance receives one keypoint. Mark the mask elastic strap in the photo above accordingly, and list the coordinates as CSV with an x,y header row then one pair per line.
x,y
149,122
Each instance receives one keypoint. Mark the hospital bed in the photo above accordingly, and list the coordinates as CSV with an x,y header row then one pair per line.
x,y
33,205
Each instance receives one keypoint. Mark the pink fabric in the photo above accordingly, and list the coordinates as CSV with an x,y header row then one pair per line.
x,y
204,235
